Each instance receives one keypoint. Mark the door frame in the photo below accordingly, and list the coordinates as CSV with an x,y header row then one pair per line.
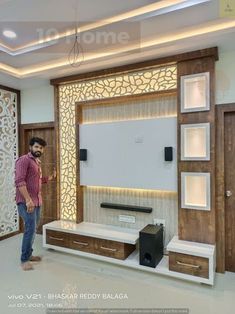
x,y
30,127
220,185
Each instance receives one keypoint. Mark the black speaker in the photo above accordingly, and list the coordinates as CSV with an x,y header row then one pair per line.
x,y
151,245
168,153
83,154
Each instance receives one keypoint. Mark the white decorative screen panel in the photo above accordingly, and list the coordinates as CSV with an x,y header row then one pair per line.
x,y
9,221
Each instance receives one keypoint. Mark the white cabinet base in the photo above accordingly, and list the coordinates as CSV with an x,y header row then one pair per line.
x,y
195,253
131,261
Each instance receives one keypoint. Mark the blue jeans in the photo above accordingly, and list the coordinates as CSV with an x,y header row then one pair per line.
x,y
31,221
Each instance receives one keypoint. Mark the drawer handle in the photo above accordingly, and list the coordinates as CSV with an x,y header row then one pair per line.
x,y
188,265
54,238
81,243
108,249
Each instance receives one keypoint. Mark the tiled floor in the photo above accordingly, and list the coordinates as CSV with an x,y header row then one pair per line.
x,y
68,281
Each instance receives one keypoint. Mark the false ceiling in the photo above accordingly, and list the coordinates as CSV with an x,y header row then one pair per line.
x,y
110,32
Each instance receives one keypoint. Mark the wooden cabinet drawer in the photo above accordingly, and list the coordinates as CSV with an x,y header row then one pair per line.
x,y
89,244
113,249
189,264
81,243
57,238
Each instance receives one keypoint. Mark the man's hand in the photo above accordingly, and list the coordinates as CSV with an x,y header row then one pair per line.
x,y
53,175
30,206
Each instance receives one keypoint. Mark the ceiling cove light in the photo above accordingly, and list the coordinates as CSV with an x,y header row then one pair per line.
x,y
157,8
9,34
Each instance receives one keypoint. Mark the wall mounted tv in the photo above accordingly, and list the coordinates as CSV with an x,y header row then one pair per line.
x,y
129,154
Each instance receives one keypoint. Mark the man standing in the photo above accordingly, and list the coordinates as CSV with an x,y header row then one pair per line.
x,y
28,180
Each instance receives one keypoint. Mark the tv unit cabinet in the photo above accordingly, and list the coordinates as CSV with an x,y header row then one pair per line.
x,y
105,240
119,246
187,258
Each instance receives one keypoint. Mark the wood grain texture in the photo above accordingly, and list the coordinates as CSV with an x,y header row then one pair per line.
x,y
229,167
57,238
57,149
79,209
113,249
220,185
49,191
128,98
189,264
148,107
209,52
164,206
82,243
197,225
88,244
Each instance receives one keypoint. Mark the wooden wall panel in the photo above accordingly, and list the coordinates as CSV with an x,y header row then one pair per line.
x,y
192,55
164,206
79,209
229,175
197,225
46,131
131,108
221,110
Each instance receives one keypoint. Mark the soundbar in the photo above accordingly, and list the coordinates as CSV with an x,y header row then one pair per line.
x,y
127,207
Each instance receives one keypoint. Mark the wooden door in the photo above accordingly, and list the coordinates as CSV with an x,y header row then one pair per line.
x,y
49,192
229,167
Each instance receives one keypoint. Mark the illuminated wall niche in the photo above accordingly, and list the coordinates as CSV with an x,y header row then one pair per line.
x,y
195,141
195,92
195,190
133,83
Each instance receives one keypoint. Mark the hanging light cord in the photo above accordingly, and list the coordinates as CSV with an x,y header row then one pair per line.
x,y
75,56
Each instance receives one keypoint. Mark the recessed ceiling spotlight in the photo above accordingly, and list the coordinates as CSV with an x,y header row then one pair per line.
x,y
9,34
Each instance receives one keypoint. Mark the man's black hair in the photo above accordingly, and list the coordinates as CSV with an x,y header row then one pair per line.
x,y
38,140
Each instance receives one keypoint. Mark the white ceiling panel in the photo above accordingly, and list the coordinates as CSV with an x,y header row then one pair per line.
x,y
151,32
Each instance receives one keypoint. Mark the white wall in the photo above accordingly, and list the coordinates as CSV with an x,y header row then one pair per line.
x,y
37,104
9,81
225,78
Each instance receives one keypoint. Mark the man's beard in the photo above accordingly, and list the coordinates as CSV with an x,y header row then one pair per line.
x,y
36,154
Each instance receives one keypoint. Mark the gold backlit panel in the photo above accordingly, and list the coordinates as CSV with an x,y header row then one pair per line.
x,y
132,83
149,108
67,153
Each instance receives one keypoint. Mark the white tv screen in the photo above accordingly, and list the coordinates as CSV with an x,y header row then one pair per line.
x,y
129,154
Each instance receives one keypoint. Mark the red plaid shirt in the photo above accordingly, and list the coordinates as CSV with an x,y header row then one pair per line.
x,y
28,173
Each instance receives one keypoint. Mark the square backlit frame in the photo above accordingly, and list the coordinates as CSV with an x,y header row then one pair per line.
x,y
199,142
195,189
195,92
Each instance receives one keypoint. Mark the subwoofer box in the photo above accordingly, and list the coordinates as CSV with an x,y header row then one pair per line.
x,y
151,245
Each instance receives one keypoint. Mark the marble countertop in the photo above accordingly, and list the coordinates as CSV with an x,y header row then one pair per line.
x,y
188,247
109,232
